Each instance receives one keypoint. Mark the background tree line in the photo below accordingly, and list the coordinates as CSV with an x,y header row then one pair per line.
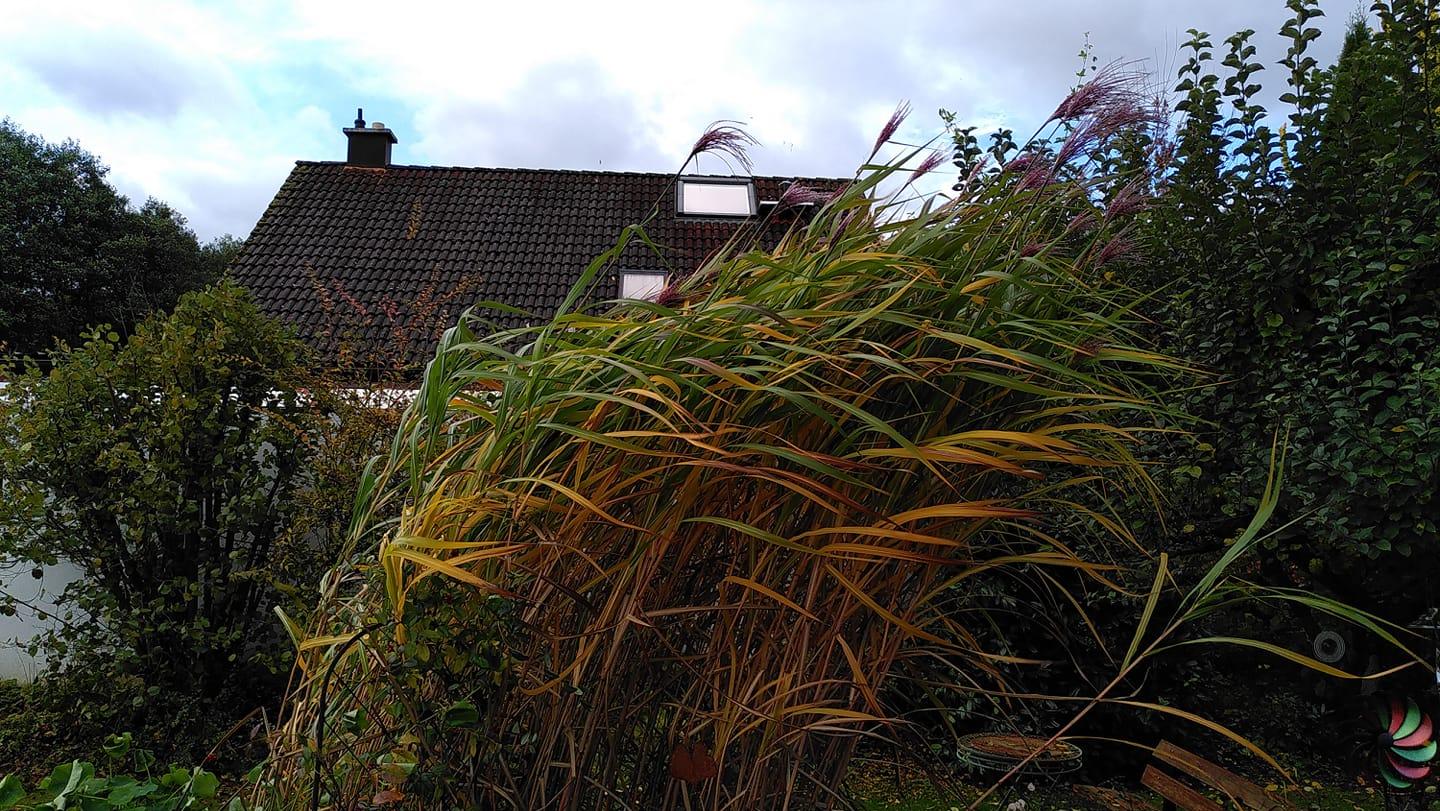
x,y
74,253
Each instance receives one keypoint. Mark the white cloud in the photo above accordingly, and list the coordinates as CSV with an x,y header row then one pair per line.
x,y
207,105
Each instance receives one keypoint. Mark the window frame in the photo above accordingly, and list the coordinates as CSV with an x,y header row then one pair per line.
x,y
664,280
701,180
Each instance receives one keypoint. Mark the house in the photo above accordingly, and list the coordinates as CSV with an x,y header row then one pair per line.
x,y
371,261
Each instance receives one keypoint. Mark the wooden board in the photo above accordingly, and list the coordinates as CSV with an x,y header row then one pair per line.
x,y
1239,790
1177,792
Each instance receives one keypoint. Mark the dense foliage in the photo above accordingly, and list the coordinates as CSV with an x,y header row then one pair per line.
x,y
691,553
134,783
165,467
1300,251
74,253
199,476
1289,255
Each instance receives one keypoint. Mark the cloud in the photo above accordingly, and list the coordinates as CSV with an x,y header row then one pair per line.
x,y
564,115
108,72
230,205
207,105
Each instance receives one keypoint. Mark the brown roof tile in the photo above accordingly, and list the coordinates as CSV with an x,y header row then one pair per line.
x,y
370,265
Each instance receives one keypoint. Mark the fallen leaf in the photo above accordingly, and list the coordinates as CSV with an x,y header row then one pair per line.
x,y
692,763
387,797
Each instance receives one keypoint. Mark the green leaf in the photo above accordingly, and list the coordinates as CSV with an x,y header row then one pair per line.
x,y
116,746
11,792
126,793
67,777
353,720
1285,653
1161,571
462,714
204,784
177,776
1268,501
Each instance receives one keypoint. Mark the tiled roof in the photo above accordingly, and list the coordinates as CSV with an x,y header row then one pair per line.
x,y
370,265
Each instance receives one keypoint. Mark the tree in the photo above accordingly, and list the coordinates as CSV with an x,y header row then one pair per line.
x,y
199,475
167,469
74,253
1302,260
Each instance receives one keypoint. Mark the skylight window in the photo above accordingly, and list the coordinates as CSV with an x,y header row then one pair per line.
x,y
716,197
641,285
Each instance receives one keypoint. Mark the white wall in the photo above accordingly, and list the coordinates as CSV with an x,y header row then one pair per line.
x,y
15,580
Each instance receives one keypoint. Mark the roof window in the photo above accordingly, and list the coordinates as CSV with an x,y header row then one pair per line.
x,y
716,197
642,285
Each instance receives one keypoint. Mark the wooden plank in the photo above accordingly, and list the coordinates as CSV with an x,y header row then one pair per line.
x,y
1177,792
1239,790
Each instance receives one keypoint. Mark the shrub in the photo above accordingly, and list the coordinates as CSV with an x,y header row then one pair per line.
x,y
1302,263
198,476
1291,256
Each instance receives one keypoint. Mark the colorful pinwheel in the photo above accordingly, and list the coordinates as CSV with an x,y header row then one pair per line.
x,y
1405,745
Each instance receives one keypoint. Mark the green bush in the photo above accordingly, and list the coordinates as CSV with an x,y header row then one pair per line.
x,y
1291,255
135,784
198,475
1301,258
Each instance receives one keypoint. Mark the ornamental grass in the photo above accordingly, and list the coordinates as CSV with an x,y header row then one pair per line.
x,y
676,554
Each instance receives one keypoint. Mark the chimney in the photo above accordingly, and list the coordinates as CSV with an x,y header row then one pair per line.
x,y
368,146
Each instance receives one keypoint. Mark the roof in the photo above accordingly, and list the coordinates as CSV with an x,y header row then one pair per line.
x,y
370,265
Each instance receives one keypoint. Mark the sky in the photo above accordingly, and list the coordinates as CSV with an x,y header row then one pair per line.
x,y
207,105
